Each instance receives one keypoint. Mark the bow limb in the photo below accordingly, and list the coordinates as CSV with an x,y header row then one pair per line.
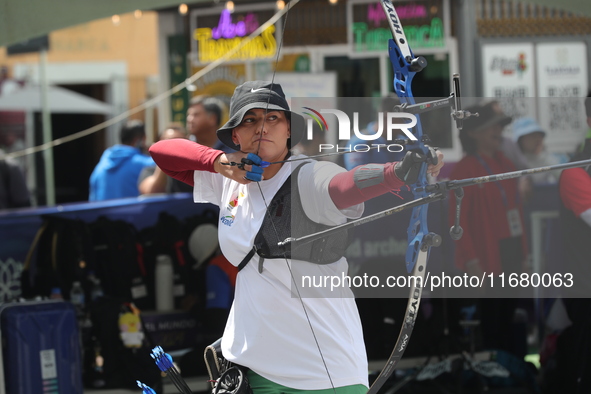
x,y
405,66
410,316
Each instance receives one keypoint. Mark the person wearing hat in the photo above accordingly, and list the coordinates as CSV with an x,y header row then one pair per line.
x,y
493,239
529,136
290,337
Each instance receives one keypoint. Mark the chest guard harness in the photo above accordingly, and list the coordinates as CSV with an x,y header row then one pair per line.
x,y
285,217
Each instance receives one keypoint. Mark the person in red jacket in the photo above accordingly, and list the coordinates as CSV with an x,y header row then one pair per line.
x,y
494,238
573,350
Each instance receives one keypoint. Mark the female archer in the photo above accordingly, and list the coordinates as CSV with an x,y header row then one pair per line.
x,y
292,338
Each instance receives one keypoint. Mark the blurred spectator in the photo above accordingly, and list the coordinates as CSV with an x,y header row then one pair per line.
x,y
12,142
13,186
7,84
117,173
529,136
204,117
574,343
493,240
587,142
153,180
512,152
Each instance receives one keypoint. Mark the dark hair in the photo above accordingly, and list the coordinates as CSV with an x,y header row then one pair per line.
x,y
489,114
131,131
588,105
211,105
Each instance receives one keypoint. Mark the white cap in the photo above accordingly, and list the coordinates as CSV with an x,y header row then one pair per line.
x,y
203,242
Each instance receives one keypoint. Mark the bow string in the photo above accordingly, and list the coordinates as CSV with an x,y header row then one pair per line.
x,y
289,4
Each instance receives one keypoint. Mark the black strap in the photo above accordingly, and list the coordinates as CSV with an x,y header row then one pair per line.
x,y
246,259
5,175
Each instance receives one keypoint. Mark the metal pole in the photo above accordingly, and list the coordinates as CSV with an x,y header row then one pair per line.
x,y
47,134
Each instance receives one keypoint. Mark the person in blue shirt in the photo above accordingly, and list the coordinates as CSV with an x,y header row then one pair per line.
x,y
116,175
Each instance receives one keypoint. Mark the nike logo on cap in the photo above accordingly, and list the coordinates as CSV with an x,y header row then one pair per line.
x,y
256,90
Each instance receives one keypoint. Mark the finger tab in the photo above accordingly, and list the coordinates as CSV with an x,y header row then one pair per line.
x,y
255,159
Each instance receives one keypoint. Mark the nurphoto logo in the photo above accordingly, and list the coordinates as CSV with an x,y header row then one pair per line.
x,y
396,125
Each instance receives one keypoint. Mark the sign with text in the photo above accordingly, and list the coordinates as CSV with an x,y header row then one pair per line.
x,y
368,29
215,32
37,44
177,63
509,73
562,82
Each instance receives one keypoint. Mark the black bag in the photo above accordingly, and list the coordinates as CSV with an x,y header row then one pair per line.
x,y
60,254
119,261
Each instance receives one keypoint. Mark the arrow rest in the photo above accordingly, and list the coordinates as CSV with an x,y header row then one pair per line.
x,y
417,64
431,240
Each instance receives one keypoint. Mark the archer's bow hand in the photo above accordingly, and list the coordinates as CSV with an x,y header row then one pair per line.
x,y
437,164
408,169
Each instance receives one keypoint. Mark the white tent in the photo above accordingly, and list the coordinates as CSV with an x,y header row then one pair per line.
x,y
60,101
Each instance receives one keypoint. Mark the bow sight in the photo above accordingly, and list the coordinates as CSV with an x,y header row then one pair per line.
x,y
453,101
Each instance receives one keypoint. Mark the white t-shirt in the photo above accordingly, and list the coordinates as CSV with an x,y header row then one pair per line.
x,y
267,330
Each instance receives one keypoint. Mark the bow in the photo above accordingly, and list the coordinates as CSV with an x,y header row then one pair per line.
x,y
420,240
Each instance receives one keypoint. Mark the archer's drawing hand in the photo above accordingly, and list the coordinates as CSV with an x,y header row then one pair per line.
x,y
240,167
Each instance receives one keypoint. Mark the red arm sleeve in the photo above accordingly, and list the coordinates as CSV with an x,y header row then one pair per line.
x,y
179,158
345,192
575,190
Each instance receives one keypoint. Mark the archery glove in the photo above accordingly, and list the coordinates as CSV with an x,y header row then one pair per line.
x,y
408,169
256,172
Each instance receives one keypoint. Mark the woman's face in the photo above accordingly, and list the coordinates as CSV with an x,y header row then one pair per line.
x,y
264,133
532,143
488,140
